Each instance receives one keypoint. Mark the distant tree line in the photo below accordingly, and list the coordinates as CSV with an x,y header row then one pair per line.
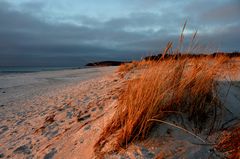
x,y
166,56
179,55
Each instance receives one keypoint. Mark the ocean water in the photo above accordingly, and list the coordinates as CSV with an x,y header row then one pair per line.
x,y
15,69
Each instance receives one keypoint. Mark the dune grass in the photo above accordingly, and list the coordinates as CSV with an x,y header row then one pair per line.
x,y
230,143
123,69
166,86
186,86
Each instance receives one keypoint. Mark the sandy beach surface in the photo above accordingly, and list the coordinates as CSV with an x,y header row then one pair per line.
x,y
50,114
60,114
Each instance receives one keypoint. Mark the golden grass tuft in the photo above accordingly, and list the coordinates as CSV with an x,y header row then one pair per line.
x,y
126,67
186,86
230,143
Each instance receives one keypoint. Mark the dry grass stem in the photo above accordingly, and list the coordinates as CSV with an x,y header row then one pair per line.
x,y
179,127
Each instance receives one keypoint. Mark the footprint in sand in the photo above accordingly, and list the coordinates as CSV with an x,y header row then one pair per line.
x,y
94,109
69,114
82,116
23,150
3,129
88,127
51,154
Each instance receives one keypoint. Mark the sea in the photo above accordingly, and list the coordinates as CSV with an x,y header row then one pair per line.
x,y
27,69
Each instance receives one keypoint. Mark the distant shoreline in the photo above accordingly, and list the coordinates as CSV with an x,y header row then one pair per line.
x,y
31,69
106,63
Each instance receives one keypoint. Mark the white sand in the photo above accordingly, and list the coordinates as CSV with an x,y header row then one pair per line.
x,y
29,100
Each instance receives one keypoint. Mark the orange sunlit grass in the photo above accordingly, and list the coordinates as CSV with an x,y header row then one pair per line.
x,y
167,84
186,85
230,143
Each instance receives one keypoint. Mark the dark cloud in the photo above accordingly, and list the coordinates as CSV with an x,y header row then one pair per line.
x,y
224,13
29,38
223,38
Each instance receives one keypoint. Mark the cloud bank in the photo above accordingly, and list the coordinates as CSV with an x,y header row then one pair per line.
x,y
64,33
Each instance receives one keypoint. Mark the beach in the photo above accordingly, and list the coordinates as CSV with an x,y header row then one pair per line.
x,y
39,110
61,114
119,79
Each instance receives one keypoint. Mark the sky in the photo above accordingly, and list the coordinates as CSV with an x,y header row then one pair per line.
x,y
72,33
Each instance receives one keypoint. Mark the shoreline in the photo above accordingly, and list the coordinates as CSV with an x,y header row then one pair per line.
x,y
25,70
23,86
